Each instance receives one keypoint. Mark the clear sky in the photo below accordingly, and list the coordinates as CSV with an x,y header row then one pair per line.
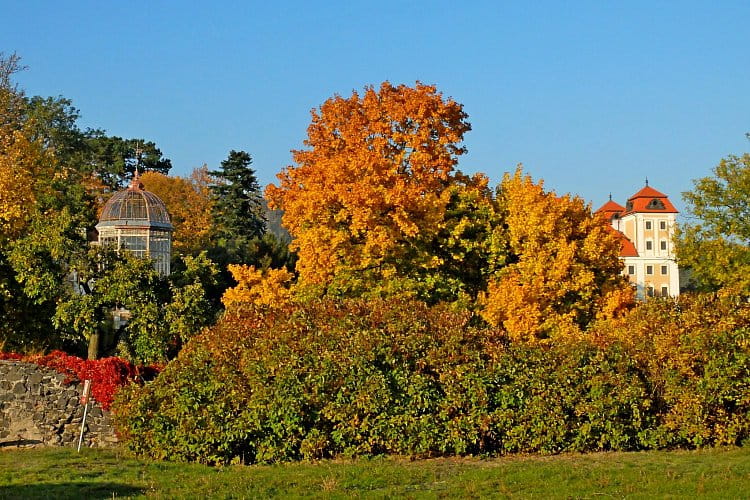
x,y
591,96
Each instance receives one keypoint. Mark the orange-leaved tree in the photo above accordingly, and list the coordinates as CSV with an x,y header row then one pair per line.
x,y
366,195
189,203
257,288
564,266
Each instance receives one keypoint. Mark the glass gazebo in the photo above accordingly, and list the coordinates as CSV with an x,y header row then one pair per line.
x,y
137,221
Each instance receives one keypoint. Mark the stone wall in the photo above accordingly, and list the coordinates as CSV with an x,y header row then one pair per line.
x,y
37,407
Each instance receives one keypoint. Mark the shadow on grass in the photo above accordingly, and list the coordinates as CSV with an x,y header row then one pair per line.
x,y
20,442
72,489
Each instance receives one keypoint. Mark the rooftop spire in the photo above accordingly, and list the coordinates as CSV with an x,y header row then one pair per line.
x,y
139,157
136,184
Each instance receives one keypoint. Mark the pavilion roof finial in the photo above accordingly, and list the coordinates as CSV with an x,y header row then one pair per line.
x,y
136,183
138,156
646,181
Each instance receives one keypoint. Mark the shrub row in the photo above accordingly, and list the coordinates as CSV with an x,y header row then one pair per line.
x,y
363,378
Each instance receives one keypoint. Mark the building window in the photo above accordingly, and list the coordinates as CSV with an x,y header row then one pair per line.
x,y
649,269
648,224
649,245
650,291
663,225
631,270
663,244
663,270
655,205
665,291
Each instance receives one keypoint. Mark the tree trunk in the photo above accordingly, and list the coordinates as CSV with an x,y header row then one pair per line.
x,y
94,346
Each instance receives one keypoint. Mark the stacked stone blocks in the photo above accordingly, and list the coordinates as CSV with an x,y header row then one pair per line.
x,y
38,407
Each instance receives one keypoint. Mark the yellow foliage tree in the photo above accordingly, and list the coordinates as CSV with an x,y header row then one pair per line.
x,y
17,158
367,192
257,288
189,203
564,267
25,166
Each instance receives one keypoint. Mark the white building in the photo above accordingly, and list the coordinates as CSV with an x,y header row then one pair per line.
x,y
646,226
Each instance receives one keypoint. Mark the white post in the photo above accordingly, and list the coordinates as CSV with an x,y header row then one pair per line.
x,y
85,401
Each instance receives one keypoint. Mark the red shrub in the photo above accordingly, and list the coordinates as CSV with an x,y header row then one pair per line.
x,y
107,375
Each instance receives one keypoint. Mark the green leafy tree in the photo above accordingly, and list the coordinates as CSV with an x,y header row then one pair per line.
x,y
99,160
54,121
271,252
48,264
107,283
38,192
716,247
55,290
194,297
114,159
84,286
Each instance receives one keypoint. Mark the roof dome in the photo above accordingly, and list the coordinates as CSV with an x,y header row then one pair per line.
x,y
135,207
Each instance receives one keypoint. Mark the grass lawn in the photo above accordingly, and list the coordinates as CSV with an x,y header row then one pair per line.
x,y
63,473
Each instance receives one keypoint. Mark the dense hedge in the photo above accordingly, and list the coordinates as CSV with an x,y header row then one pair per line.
x,y
695,352
372,377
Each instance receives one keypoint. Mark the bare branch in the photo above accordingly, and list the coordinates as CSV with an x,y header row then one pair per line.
x,y
8,67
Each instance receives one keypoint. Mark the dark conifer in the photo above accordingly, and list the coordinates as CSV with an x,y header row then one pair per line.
x,y
238,209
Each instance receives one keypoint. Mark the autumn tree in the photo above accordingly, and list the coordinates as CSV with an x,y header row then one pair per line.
x,y
366,196
562,268
190,206
257,288
30,179
715,243
20,160
23,159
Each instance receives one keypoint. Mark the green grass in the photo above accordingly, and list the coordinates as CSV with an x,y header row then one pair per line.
x,y
62,473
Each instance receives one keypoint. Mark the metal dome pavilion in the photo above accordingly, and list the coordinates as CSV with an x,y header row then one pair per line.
x,y
137,221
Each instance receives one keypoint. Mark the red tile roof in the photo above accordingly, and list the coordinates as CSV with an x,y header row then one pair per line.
x,y
627,248
649,200
611,208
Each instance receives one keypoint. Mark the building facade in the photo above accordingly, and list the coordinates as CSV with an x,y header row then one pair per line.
x,y
646,227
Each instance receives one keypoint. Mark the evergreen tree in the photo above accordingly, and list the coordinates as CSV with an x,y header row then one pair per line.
x,y
238,204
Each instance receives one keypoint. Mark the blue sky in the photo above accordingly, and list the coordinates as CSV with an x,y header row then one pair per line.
x,y
593,97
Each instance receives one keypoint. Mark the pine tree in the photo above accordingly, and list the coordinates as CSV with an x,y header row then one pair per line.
x,y
238,204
